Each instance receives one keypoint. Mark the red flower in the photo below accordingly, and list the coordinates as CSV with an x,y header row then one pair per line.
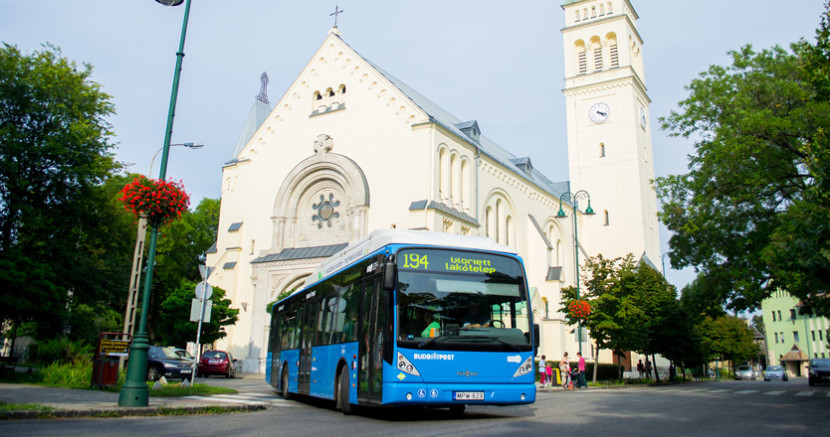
x,y
579,309
160,201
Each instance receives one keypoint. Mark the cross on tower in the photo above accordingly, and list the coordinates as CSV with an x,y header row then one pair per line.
x,y
337,11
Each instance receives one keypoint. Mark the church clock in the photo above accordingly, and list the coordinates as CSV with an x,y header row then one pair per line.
x,y
599,112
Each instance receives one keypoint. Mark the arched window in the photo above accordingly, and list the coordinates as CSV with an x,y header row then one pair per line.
x,y
442,173
488,222
464,198
602,150
596,47
610,9
601,9
508,230
612,50
593,11
577,15
607,220
581,58
453,182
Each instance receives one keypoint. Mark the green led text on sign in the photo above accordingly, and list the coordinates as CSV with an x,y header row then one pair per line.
x,y
418,260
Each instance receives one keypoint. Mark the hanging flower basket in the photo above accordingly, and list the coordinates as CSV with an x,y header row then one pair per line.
x,y
159,201
579,309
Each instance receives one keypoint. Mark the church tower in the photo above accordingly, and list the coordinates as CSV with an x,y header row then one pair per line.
x,y
609,137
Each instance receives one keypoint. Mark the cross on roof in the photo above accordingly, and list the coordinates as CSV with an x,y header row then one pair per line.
x,y
337,11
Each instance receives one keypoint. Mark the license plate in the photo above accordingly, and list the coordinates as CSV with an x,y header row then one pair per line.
x,y
213,361
468,396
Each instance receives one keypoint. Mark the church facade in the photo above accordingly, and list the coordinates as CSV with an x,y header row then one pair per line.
x,y
349,149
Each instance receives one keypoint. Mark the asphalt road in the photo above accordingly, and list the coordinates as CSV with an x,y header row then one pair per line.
x,y
711,408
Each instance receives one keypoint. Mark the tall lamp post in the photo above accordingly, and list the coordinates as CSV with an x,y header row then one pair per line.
x,y
574,198
138,254
663,259
134,392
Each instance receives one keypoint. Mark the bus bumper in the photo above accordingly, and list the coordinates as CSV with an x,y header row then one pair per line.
x,y
446,394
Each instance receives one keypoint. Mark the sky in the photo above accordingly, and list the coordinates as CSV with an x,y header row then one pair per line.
x,y
497,62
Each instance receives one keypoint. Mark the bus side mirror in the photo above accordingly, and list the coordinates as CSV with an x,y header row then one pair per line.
x,y
535,336
390,276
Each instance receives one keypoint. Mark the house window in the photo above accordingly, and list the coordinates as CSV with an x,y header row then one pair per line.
x,y
813,333
776,337
779,315
607,220
773,316
792,314
795,336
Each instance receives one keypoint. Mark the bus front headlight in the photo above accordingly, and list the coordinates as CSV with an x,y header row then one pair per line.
x,y
404,365
525,368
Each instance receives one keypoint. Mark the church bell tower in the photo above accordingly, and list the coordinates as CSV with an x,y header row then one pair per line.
x,y
609,136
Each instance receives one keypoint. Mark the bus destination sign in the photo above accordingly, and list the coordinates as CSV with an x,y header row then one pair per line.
x,y
453,261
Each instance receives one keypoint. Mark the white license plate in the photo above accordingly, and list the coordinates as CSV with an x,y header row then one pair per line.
x,y
213,361
468,396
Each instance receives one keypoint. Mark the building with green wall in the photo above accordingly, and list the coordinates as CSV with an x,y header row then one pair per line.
x,y
793,338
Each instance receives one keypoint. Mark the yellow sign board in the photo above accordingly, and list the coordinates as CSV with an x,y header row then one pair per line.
x,y
114,348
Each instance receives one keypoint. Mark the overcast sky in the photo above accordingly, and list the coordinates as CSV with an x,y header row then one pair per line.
x,y
498,62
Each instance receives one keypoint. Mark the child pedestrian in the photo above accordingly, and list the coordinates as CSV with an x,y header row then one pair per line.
x,y
565,371
549,372
542,371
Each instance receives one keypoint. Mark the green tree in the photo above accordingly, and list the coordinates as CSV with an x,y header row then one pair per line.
x,y
177,256
55,154
753,212
175,328
728,338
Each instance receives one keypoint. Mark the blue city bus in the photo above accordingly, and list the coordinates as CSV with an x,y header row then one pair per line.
x,y
409,319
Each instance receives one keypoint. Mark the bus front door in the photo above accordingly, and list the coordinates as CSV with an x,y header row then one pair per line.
x,y
373,326
308,316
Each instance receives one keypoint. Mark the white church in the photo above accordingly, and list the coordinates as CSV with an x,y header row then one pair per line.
x,y
349,149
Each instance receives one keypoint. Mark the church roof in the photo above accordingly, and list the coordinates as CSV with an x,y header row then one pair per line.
x,y
441,117
256,116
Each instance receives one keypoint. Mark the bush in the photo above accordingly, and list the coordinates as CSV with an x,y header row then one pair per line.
x,y
63,351
69,375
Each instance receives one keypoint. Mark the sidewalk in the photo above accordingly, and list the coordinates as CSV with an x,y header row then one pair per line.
x,y
87,403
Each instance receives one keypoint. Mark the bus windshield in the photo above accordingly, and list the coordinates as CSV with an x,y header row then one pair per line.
x,y
451,299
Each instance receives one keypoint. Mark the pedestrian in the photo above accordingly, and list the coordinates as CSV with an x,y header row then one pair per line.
x,y
565,371
641,368
581,383
648,369
542,371
549,373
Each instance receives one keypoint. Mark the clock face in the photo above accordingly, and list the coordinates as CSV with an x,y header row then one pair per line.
x,y
643,118
599,112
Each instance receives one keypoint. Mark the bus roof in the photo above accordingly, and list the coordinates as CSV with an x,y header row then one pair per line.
x,y
384,237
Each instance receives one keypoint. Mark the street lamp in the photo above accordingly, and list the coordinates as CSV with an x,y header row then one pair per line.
x,y
138,254
134,392
663,259
574,198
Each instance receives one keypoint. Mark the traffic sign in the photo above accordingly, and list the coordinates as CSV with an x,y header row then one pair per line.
x,y
204,290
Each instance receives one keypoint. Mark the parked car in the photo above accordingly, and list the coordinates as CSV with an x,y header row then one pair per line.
x,y
217,363
164,361
819,370
183,353
775,372
744,372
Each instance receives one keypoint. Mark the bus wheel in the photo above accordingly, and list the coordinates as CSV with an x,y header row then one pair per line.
x,y
285,394
343,392
457,410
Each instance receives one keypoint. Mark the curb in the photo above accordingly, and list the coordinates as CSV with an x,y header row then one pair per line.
x,y
126,412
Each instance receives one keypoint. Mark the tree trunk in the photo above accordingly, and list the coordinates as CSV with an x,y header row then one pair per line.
x,y
654,362
596,363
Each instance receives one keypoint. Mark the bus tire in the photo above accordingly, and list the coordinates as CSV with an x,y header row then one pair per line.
x,y
343,392
285,393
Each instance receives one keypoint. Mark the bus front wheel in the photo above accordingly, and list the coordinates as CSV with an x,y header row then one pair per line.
x,y
343,392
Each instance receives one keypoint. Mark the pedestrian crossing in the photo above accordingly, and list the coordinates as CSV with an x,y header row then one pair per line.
x,y
799,393
268,400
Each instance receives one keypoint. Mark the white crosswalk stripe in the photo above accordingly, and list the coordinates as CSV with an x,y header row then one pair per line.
x,y
720,390
246,399
744,392
774,392
805,393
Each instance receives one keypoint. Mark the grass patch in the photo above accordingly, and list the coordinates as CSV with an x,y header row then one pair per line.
x,y
24,407
196,390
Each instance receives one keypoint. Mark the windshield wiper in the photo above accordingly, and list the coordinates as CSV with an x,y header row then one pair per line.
x,y
427,343
485,337
469,337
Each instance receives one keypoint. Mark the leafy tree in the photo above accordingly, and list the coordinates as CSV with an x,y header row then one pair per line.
x,y
753,212
175,328
55,154
177,255
728,338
